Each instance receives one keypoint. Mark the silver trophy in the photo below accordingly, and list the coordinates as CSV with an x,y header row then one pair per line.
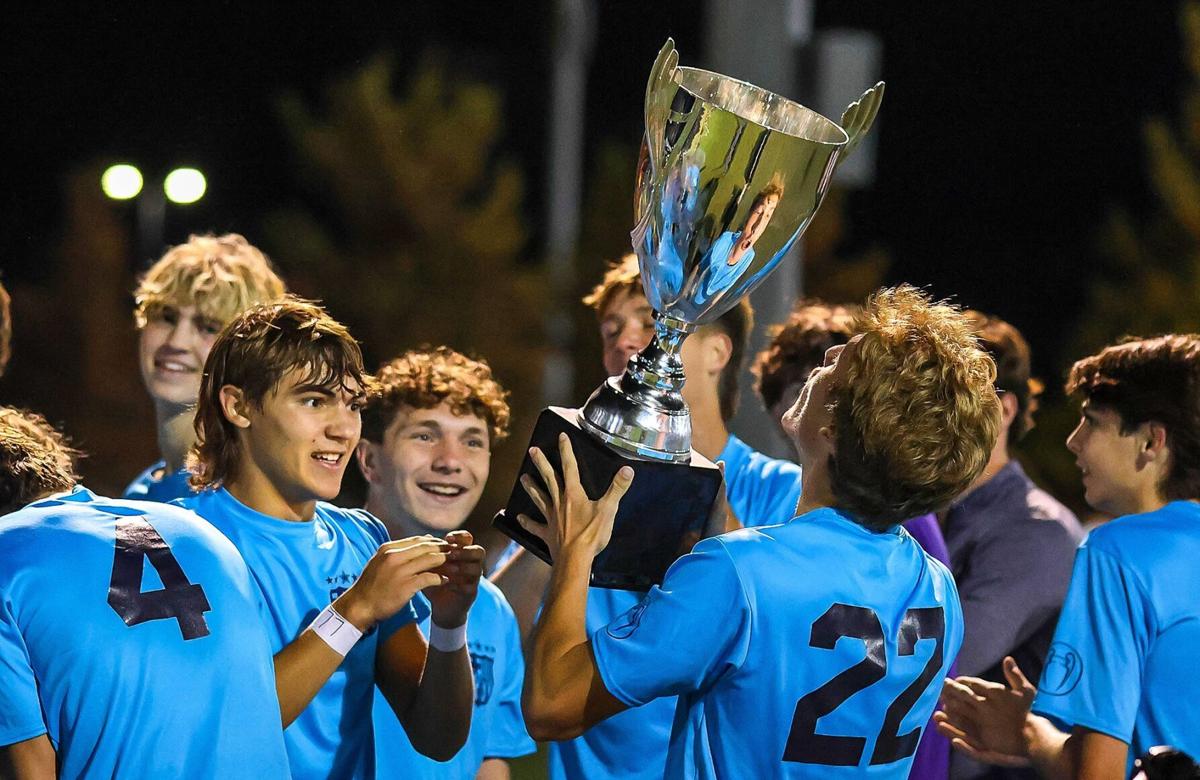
x,y
729,177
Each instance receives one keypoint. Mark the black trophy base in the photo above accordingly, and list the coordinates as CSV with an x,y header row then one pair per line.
x,y
667,506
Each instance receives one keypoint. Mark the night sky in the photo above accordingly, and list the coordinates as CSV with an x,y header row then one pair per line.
x,y
1007,133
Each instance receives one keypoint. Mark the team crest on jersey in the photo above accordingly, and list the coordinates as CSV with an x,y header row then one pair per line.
x,y
624,626
1063,670
483,663
340,584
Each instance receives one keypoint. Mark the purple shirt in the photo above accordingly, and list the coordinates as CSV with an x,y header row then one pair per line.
x,y
1011,551
932,761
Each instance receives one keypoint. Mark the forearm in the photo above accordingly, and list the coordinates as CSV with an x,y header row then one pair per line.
x,y
301,669
523,582
1050,750
560,668
439,718
31,759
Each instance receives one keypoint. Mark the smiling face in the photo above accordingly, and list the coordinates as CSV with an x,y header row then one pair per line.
x,y
760,217
301,438
429,470
172,348
1108,461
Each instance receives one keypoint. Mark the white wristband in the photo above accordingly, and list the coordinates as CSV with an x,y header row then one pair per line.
x,y
447,640
338,633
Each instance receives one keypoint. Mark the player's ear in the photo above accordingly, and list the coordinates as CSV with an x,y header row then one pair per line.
x,y
1153,440
234,406
718,349
367,457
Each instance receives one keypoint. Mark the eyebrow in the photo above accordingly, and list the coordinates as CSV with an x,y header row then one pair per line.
x,y
433,424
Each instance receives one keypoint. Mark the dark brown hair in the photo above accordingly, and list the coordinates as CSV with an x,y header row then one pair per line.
x,y
624,277
1009,349
1151,380
35,459
798,346
915,414
425,378
253,353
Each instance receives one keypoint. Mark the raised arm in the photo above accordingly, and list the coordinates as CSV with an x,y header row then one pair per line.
x,y
431,686
564,694
395,573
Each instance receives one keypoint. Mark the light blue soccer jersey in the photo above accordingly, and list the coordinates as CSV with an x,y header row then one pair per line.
x,y
155,484
129,633
497,726
299,568
1123,661
633,744
812,649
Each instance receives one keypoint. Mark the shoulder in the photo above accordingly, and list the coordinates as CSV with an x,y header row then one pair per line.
x,y
354,521
1131,536
491,599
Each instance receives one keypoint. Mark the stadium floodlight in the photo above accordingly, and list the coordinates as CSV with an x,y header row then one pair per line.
x,y
121,182
184,185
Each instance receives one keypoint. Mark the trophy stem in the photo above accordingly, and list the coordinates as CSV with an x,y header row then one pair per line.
x,y
642,412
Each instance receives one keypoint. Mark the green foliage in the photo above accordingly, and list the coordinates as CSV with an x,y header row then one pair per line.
x,y
1153,282
415,233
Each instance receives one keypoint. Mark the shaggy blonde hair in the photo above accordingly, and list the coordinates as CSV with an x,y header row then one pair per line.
x,y
221,276
35,459
425,378
916,415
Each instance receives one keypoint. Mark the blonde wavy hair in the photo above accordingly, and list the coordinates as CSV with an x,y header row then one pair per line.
x,y
916,415
221,276
425,378
35,459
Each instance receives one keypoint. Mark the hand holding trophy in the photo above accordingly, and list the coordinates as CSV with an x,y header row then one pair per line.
x,y
729,177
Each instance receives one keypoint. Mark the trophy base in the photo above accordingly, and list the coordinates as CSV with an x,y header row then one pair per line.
x,y
665,511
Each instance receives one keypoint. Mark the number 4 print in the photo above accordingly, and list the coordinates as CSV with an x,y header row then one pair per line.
x,y
179,598
805,745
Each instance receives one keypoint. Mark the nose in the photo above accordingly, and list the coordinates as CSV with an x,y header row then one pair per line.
x,y
344,424
181,335
1073,439
446,458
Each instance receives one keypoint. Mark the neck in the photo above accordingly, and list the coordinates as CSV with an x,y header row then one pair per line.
x,y
400,524
998,460
253,489
815,490
176,433
709,434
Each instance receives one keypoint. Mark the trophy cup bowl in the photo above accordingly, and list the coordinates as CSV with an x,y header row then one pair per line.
x,y
729,177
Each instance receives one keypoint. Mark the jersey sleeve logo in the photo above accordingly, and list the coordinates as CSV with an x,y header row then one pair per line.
x,y
1063,670
624,626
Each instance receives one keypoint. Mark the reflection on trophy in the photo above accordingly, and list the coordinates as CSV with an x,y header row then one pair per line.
x,y
729,177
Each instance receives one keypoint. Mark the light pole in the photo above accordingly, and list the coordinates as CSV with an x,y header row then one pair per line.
x,y
182,186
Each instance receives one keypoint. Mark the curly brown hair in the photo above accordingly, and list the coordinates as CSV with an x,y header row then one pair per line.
x,y
35,459
798,345
916,414
254,352
424,378
219,275
623,277
1151,380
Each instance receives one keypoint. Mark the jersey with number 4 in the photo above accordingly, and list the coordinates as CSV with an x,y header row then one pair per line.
x,y
811,649
130,636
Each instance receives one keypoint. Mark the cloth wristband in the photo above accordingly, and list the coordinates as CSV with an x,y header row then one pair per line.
x,y
447,640
338,633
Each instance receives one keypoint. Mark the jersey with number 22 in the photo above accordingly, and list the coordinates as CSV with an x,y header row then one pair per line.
x,y
811,649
